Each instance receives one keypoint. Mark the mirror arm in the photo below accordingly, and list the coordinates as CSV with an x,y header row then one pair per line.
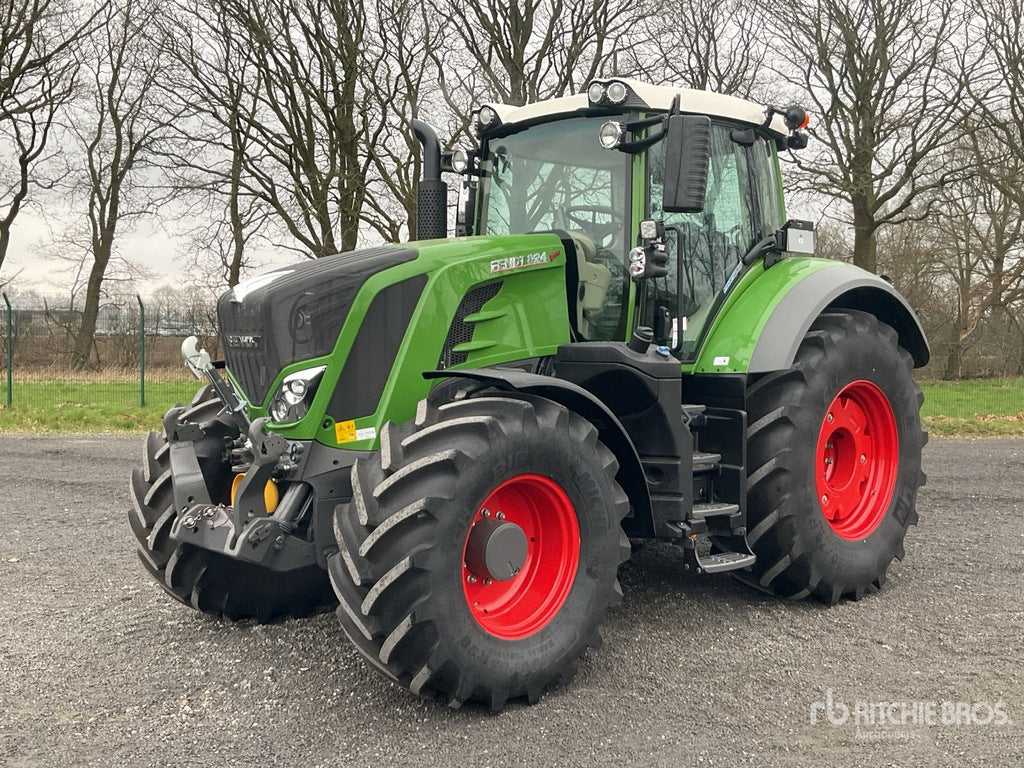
x,y
769,244
635,147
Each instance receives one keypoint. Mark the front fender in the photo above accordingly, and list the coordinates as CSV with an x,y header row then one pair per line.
x,y
630,475
760,329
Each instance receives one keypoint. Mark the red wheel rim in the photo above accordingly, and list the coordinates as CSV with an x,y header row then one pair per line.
x,y
527,602
856,460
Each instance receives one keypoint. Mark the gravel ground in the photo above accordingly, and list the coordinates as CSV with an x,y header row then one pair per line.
x,y
99,667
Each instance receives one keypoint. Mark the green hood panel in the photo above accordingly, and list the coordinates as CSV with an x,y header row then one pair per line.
x,y
509,293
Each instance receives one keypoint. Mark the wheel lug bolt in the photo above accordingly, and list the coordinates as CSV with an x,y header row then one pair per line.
x,y
487,582
824,499
471,579
485,512
829,417
500,515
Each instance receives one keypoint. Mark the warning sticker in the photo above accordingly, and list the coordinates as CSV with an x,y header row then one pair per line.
x,y
346,432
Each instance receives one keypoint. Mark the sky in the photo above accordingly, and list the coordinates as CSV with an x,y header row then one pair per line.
x,y
32,265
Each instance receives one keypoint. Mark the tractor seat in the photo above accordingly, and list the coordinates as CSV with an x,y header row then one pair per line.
x,y
594,279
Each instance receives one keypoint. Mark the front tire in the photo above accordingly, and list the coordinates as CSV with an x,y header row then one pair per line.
x,y
208,581
480,549
834,456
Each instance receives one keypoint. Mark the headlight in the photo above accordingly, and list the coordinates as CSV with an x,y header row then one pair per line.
x,y
616,92
611,134
637,262
460,160
486,119
292,400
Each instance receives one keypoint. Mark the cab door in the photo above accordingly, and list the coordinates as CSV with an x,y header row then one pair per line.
x,y
742,206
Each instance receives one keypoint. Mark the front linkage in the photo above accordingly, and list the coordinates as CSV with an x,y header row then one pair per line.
x,y
256,526
209,521
246,530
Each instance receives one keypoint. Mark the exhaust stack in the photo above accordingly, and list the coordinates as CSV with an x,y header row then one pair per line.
x,y
431,192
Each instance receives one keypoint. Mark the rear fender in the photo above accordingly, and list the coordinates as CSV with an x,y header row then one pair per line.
x,y
842,287
760,329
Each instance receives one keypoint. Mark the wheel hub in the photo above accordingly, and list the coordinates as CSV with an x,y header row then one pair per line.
x,y
856,460
521,555
496,549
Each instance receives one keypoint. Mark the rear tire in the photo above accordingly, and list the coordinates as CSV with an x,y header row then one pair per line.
x,y
834,456
209,581
416,596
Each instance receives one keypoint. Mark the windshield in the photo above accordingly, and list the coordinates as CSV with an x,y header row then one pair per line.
x,y
557,176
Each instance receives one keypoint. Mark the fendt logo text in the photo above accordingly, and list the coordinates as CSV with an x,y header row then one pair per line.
x,y
236,341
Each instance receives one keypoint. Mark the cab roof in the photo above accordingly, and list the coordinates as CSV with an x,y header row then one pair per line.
x,y
644,96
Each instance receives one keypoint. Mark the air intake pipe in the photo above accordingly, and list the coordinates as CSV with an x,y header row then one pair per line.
x,y
431,192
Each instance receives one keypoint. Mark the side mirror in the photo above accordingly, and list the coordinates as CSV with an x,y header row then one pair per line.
x,y
687,155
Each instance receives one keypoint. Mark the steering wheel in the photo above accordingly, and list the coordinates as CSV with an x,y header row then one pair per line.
x,y
588,219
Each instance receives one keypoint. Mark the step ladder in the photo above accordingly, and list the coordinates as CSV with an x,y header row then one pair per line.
x,y
713,533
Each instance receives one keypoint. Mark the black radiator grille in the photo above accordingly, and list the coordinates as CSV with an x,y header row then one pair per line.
x,y
375,350
295,316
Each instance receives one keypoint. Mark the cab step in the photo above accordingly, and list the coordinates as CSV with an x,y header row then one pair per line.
x,y
720,562
699,548
693,415
720,516
705,462
713,509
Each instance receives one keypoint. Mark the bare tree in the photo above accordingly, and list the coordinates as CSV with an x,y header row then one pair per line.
x,y
293,106
983,229
400,80
38,69
997,92
213,80
118,132
982,221
885,79
713,45
528,50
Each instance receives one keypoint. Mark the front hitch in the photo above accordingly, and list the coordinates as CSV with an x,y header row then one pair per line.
x,y
246,530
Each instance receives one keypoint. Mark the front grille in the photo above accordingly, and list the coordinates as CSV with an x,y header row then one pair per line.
x,y
297,314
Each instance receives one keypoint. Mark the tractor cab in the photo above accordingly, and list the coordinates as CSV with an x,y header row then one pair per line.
x,y
594,167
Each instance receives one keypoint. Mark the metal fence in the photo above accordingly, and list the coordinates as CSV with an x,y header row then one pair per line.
x,y
133,359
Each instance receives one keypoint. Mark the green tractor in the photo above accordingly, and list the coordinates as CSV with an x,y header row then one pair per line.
x,y
456,439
